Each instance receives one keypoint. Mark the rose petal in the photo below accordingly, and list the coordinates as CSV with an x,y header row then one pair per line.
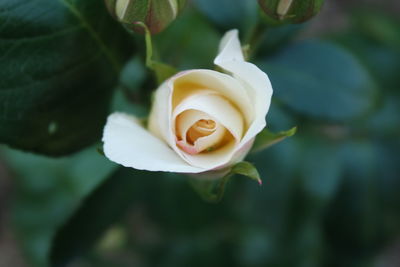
x,y
127,143
259,88
160,114
186,120
211,140
195,81
225,114
230,47
216,107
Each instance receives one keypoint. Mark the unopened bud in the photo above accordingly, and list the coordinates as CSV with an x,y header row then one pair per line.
x,y
290,11
156,14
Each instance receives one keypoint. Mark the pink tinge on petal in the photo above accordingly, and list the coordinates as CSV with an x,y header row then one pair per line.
x,y
187,148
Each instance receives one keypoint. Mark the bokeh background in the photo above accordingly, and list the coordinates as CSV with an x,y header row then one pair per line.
x,y
330,194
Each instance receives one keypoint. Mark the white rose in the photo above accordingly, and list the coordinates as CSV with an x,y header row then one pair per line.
x,y
201,120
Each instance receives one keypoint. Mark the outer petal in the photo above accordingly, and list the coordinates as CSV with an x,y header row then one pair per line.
x,y
256,81
127,143
159,118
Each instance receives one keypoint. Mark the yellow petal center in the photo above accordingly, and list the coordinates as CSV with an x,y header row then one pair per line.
x,y
200,129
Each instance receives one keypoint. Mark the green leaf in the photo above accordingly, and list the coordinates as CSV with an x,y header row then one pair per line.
x,y
60,61
321,80
266,138
47,191
381,60
102,208
105,206
213,189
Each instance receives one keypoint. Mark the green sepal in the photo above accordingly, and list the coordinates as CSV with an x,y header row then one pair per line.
x,y
247,169
212,189
266,138
161,70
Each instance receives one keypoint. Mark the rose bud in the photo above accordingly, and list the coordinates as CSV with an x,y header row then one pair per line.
x,y
290,11
157,15
201,120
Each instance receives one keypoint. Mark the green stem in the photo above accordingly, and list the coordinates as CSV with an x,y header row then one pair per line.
x,y
161,70
255,37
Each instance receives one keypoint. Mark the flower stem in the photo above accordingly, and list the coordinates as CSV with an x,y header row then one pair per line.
x,y
255,36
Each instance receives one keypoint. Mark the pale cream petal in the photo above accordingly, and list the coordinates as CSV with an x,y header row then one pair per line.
x,y
207,142
224,113
127,143
196,81
187,119
160,114
217,107
252,78
213,160
230,47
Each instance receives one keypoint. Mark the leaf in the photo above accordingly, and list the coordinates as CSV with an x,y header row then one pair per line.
x,y
321,80
124,192
60,61
266,138
102,208
47,191
213,189
381,60
359,200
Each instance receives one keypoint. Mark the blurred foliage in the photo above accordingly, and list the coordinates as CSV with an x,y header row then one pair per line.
x,y
48,190
330,194
331,85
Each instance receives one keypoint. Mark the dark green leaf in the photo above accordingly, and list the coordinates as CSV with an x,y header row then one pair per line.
x,y
266,138
102,208
320,80
108,203
47,192
358,201
59,62
381,60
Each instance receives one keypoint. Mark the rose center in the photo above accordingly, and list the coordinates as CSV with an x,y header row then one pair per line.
x,y
200,129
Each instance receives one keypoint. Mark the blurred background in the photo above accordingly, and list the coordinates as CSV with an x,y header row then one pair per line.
x,y
330,194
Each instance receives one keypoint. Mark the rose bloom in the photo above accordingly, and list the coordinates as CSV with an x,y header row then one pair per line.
x,y
201,120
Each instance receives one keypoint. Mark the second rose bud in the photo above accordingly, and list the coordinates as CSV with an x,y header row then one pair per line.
x,y
157,15
290,11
